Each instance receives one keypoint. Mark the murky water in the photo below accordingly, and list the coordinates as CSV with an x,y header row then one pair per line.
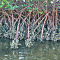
x,y
40,51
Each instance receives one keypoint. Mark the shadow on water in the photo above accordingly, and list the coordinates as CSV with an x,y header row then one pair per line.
x,y
46,50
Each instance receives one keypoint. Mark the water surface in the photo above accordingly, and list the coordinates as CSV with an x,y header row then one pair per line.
x,y
40,51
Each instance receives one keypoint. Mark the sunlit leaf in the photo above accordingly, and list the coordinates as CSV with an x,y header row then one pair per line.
x,y
4,0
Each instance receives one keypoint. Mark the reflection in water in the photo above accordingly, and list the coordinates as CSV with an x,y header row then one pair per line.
x,y
40,51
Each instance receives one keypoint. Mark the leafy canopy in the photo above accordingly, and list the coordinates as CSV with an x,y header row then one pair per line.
x,y
8,4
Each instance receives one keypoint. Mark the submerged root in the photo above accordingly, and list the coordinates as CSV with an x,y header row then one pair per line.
x,y
14,44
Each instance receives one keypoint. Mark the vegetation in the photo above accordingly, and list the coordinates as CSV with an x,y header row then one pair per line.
x,y
29,20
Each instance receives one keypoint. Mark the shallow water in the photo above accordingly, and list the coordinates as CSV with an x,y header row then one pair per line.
x,y
40,51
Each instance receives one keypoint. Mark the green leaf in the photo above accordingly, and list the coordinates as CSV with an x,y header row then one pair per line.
x,y
29,8
2,3
10,7
35,9
25,5
58,6
15,6
4,0
36,0
1,6
5,7
30,4
40,12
